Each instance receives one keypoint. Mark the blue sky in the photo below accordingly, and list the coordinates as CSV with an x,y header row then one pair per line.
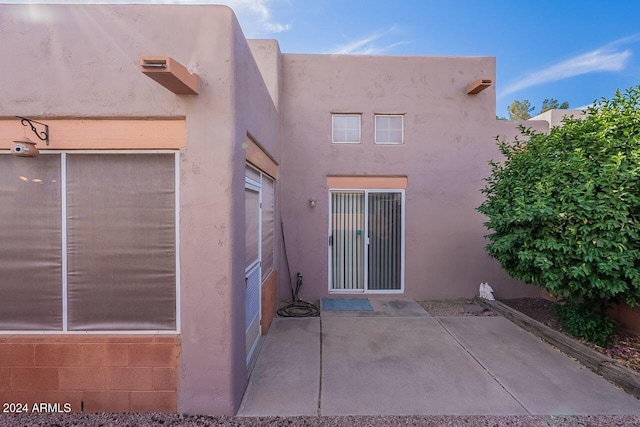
x,y
575,51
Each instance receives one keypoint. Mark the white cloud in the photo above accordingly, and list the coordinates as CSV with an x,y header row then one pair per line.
x,y
255,16
366,45
255,13
605,58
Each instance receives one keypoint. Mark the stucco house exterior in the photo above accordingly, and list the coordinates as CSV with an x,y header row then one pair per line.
x,y
142,250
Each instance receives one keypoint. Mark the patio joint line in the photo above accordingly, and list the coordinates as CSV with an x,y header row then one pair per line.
x,y
483,367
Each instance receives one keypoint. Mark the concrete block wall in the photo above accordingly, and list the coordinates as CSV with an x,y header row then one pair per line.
x,y
97,373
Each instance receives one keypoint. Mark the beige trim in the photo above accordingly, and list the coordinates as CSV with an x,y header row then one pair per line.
x,y
103,134
269,300
257,157
368,182
170,73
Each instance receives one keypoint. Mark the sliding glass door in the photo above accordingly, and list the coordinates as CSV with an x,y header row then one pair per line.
x,y
366,241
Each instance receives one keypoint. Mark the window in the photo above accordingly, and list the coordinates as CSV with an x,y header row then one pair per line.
x,y
389,129
94,242
346,128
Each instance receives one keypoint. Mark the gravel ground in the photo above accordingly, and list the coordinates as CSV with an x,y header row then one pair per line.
x,y
108,420
537,308
455,307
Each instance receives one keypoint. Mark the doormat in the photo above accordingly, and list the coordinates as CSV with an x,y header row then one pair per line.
x,y
346,304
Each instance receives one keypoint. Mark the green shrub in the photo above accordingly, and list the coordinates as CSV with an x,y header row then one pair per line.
x,y
564,207
588,321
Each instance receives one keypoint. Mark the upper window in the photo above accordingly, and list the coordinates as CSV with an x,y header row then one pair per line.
x,y
346,128
389,129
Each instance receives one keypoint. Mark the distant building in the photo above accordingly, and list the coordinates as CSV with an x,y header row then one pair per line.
x,y
555,117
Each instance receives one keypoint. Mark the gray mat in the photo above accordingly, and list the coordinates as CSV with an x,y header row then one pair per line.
x,y
346,304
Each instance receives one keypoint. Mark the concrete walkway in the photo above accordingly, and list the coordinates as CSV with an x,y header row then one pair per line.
x,y
399,360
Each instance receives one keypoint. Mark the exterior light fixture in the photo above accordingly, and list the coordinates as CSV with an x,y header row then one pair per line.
x,y
24,147
42,135
312,202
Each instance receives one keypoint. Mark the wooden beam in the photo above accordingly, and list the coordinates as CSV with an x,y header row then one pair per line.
x,y
257,157
170,74
478,86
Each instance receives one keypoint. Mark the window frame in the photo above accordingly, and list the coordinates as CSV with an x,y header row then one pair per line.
x,y
333,127
64,248
365,191
375,129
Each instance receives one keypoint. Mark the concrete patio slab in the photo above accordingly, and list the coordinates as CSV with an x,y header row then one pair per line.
x,y
543,379
403,366
400,361
286,377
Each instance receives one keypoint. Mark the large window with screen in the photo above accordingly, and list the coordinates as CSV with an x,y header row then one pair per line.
x,y
92,242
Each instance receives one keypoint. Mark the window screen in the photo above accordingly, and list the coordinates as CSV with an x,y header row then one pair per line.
x,y
252,174
268,225
30,248
121,242
345,128
389,129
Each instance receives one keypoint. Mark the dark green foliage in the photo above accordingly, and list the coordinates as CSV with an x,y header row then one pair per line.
x,y
587,321
564,207
553,104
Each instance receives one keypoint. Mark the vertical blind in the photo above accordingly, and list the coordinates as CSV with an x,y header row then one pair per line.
x,y
252,297
251,222
121,241
347,231
385,241
30,243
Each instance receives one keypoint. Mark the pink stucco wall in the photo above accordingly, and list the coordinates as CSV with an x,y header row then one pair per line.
x,y
82,61
449,137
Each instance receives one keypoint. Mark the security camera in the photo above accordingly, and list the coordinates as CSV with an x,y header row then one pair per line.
x,y
24,149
